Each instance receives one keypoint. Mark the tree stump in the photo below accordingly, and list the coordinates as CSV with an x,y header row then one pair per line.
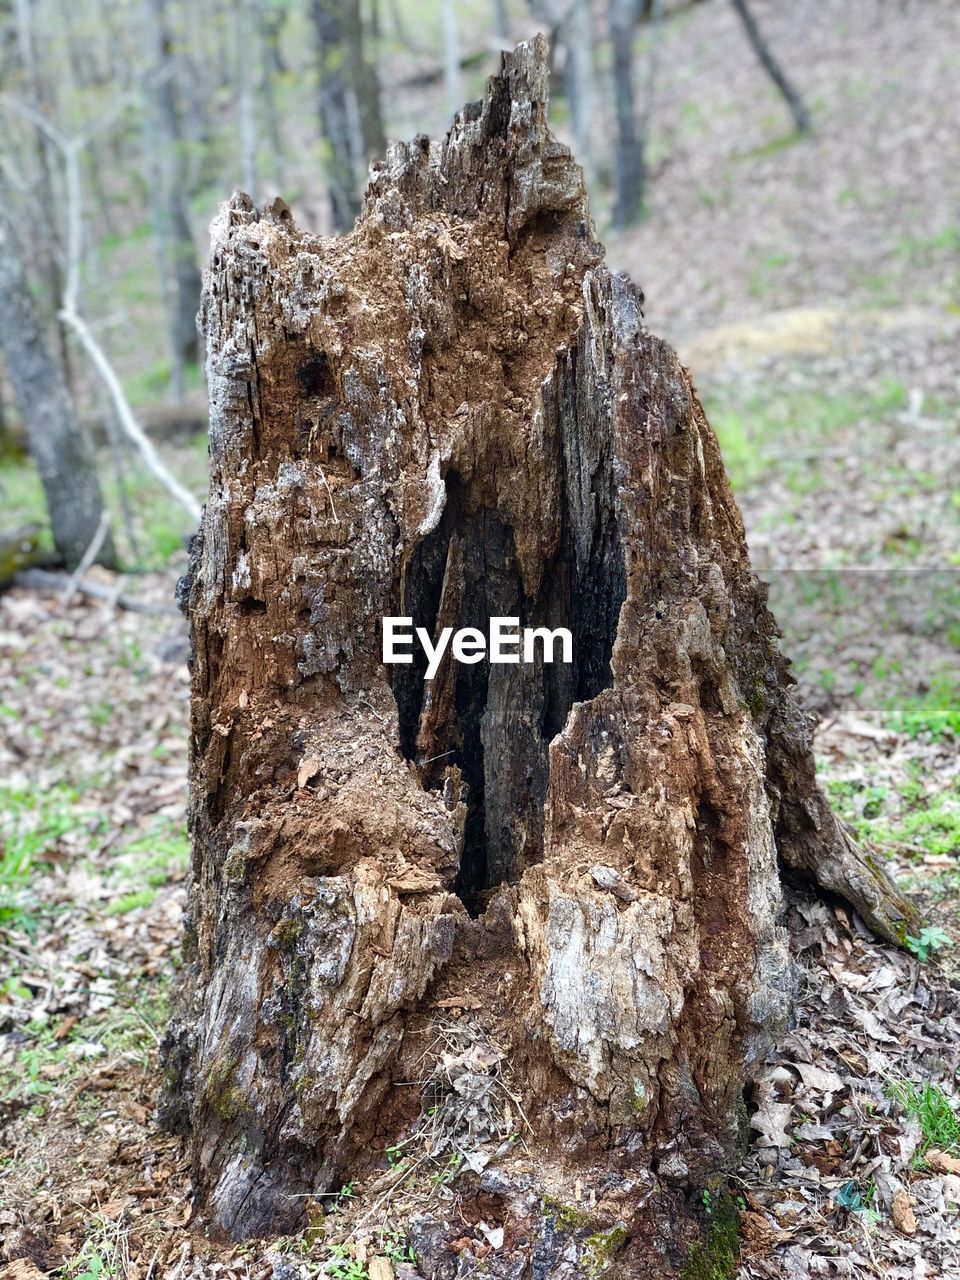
x,y
453,413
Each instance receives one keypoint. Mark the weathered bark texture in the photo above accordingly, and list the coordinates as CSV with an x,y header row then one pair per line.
x,y
456,412
58,441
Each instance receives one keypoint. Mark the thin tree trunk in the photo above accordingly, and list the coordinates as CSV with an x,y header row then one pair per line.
x,y
336,125
50,241
246,74
451,57
628,163
56,438
270,21
453,415
164,144
501,22
365,80
798,109
578,78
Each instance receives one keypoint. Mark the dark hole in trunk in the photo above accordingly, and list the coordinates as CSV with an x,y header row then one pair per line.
x,y
494,722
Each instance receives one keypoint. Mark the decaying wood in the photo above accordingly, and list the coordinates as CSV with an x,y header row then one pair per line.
x,y
451,413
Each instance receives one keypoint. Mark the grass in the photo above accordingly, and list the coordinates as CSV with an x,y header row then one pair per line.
x,y
935,712
161,526
45,1065
763,433
915,818
157,856
31,826
131,902
939,1122
22,495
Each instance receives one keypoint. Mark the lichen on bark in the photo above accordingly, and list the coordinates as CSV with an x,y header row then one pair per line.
x,y
455,412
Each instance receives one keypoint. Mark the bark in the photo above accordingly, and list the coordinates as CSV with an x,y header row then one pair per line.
x,y
56,438
456,412
798,108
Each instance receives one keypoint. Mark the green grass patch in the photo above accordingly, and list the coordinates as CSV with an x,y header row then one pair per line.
x,y
31,825
939,1122
161,526
23,499
131,902
156,856
922,820
770,432
935,712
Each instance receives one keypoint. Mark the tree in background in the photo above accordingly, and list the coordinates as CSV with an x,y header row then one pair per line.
x,y
349,104
48,243
58,443
798,108
630,151
163,144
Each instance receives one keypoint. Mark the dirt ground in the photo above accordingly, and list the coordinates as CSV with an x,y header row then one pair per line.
x,y
814,288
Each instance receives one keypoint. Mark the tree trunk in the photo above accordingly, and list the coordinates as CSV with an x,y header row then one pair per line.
x,y
270,20
578,80
164,144
246,73
798,109
49,241
451,56
349,102
455,413
628,160
57,441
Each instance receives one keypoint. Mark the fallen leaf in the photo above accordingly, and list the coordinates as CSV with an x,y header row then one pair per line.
x,y
818,1078
65,1027
904,1218
310,766
21,1269
460,1244
771,1116
757,1232
941,1162
494,1235
414,880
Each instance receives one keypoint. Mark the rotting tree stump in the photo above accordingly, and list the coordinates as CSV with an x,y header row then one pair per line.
x,y
452,413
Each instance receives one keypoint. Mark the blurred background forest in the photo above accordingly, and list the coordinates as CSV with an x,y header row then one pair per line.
x,y
782,177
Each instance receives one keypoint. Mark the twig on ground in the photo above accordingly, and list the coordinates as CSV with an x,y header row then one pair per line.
x,y
96,542
51,583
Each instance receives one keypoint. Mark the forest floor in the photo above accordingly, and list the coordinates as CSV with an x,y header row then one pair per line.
x,y
814,289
